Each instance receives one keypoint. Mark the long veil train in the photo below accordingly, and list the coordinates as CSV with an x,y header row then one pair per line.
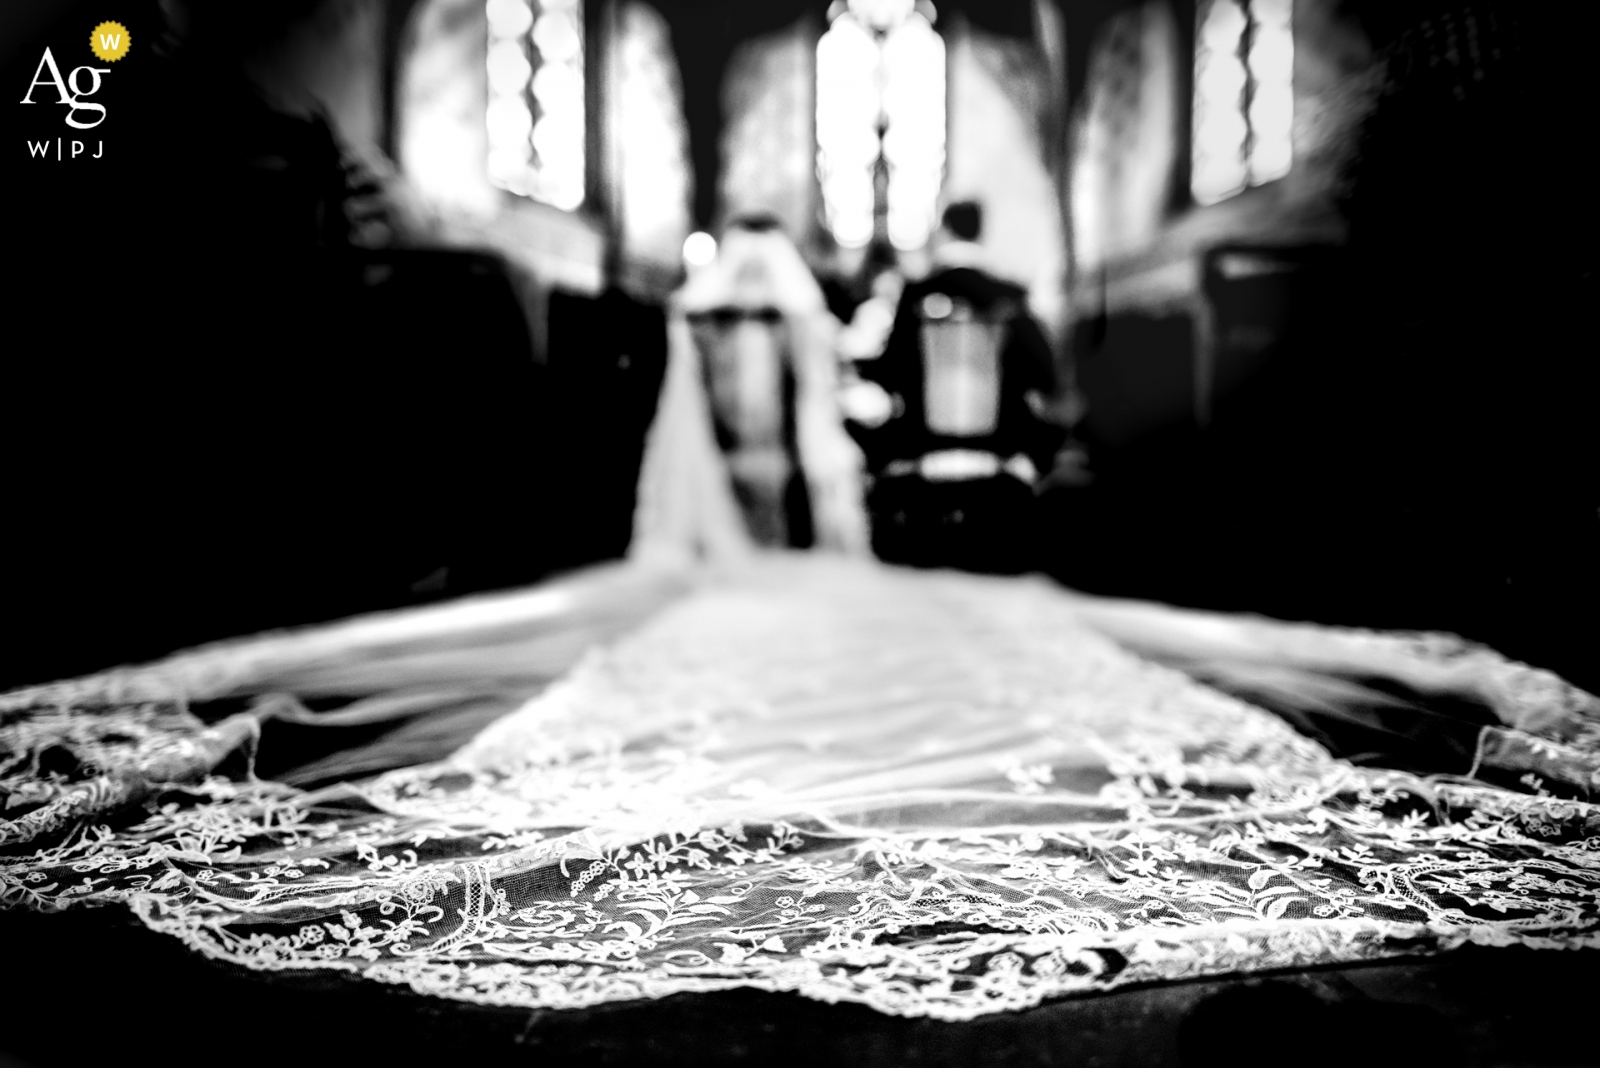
x,y
932,793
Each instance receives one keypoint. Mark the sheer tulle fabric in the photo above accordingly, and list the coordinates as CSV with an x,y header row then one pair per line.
x,y
931,793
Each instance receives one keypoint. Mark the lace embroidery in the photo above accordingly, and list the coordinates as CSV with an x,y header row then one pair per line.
x,y
936,795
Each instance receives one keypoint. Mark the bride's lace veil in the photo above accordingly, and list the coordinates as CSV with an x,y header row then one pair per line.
x,y
686,507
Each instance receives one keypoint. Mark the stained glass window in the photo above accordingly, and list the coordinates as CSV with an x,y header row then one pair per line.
x,y
880,102
652,151
1243,96
535,117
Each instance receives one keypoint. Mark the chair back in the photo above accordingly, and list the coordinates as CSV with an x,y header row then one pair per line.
x,y
960,368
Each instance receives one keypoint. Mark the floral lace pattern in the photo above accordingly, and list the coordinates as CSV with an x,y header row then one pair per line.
x,y
932,794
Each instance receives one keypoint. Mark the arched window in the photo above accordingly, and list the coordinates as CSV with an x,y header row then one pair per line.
x,y
880,105
651,148
1243,96
535,116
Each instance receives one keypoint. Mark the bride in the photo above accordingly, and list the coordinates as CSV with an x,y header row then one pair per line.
x,y
748,446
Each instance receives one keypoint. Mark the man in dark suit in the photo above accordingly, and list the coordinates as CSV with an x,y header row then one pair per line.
x,y
967,369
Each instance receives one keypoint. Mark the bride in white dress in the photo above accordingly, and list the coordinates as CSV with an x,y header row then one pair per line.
x,y
774,327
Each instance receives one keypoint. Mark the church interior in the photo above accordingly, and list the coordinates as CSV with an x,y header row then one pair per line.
x,y
368,306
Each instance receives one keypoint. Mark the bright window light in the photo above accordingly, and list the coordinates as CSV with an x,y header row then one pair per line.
x,y
535,117
1243,96
880,97
650,136
699,249
913,140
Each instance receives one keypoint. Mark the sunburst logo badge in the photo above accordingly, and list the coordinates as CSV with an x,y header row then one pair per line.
x,y
109,41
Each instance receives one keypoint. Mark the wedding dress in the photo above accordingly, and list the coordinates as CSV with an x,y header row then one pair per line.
x,y
932,793
687,508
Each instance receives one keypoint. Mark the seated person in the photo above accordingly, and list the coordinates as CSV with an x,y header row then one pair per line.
x,y
748,447
966,368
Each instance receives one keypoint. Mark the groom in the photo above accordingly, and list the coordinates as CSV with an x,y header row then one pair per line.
x,y
966,365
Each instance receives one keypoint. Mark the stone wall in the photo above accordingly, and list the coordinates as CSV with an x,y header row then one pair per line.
x,y
997,94
1137,233
768,163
